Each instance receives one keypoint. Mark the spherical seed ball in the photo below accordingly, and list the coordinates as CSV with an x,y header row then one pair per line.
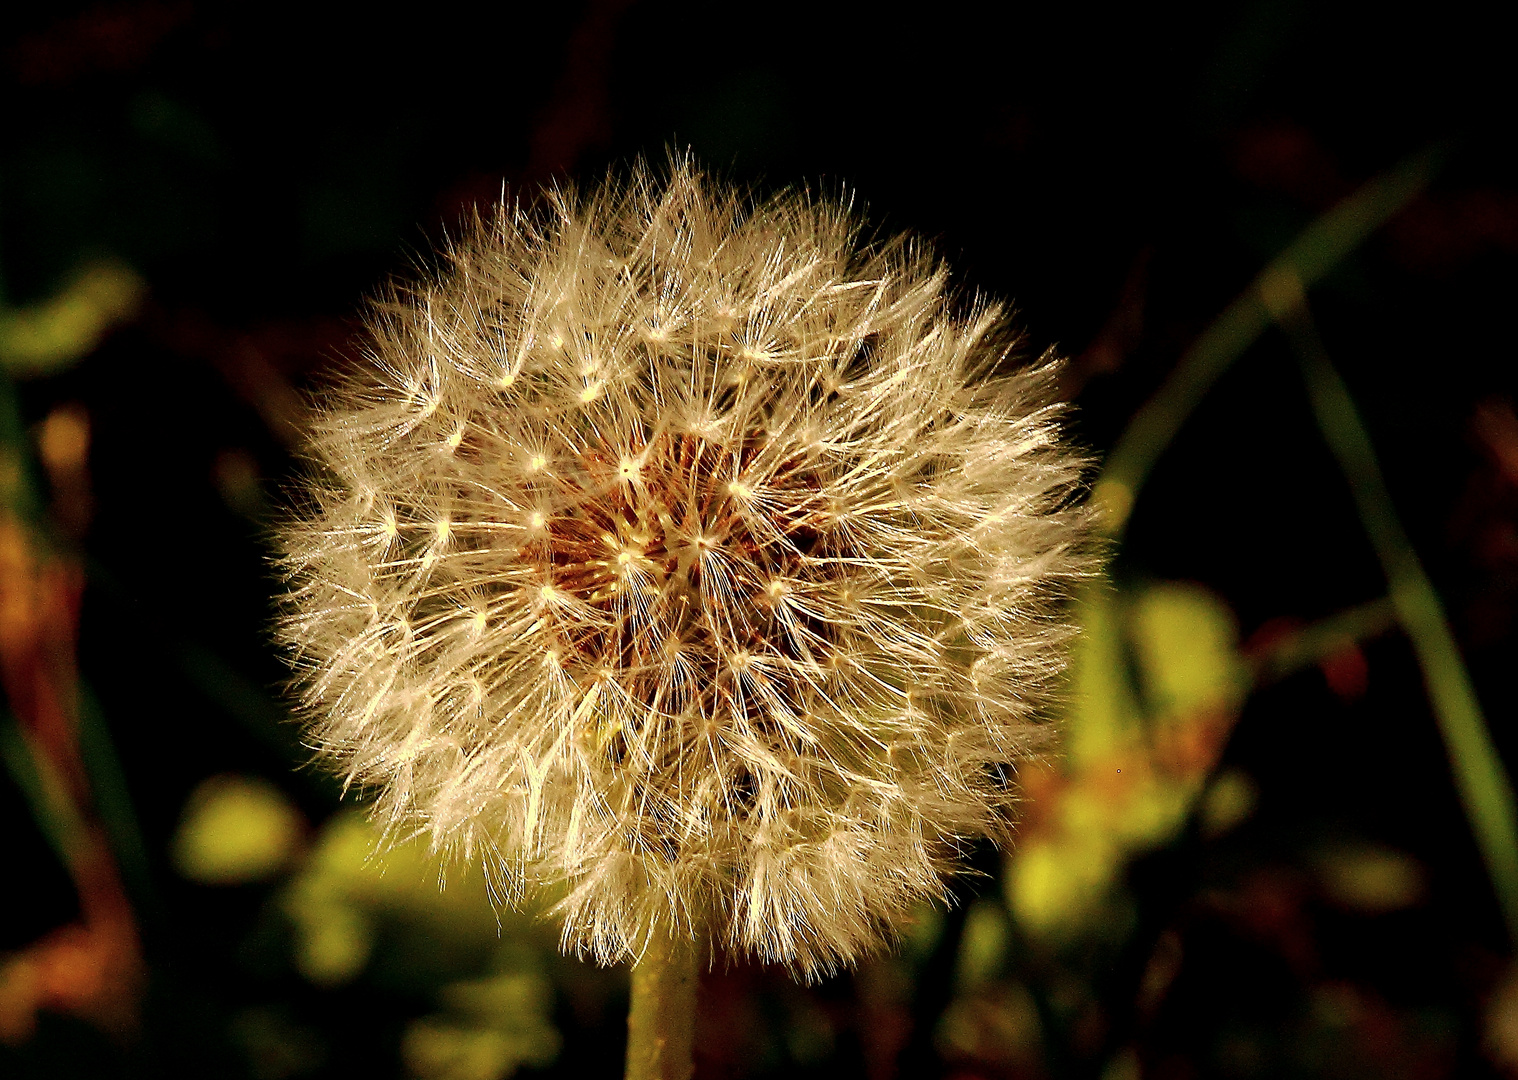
x,y
692,556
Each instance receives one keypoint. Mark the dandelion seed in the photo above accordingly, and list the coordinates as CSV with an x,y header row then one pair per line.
x,y
751,659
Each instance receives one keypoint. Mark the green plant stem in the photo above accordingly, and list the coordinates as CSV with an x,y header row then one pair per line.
x,y
1312,255
661,1016
45,792
1485,791
113,800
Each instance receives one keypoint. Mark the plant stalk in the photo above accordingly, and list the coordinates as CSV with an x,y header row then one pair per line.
x,y
661,1016
1485,790
1310,257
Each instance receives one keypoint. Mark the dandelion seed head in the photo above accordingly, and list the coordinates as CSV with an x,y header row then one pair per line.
x,y
735,590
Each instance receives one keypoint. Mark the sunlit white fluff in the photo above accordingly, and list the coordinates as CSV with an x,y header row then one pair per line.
x,y
692,557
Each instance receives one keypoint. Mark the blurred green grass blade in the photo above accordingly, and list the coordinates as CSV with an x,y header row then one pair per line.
x,y
261,715
242,699
1312,255
1485,790
113,800
43,791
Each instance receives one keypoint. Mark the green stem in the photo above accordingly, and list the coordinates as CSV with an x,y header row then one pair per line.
x,y
45,792
661,1017
1321,247
1483,785
113,800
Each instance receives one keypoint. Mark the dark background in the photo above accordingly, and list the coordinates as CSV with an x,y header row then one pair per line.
x,y
1119,175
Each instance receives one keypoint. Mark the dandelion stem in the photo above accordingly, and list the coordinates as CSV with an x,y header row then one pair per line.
x,y
1485,790
661,1017
1313,254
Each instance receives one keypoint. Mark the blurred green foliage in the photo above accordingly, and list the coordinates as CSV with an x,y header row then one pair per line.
x,y
1136,758
236,830
38,339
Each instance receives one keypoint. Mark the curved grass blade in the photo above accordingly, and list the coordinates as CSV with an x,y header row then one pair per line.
x,y
1311,256
1486,793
